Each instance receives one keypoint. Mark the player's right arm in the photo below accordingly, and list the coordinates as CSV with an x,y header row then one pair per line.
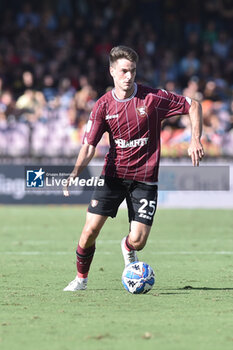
x,y
86,153
95,128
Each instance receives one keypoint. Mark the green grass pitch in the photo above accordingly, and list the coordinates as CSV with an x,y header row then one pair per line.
x,y
190,306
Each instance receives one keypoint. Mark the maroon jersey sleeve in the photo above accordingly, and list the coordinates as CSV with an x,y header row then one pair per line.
x,y
96,125
171,104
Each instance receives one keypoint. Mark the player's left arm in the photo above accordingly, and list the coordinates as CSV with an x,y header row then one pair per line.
x,y
170,104
195,150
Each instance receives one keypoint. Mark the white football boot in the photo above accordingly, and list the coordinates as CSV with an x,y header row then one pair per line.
x,y
129,255
76,284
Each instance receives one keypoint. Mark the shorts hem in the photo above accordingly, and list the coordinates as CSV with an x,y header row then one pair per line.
x,y
141,222
93,211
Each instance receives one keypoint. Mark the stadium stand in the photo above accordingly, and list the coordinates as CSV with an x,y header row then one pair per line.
x,y
53,59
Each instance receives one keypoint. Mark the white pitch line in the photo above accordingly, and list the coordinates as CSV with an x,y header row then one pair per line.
x,y
35,253
36,242
109,253
193,253
117,241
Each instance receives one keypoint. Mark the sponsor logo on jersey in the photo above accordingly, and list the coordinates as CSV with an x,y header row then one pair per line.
x,y
111,116
131,143
142,111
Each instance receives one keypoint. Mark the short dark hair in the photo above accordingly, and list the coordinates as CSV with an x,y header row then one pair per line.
x,y
121,51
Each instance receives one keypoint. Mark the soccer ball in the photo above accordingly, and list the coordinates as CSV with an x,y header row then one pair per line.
x,y
138,278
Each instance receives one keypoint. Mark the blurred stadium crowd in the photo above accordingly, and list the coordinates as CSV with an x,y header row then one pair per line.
x,y
54,65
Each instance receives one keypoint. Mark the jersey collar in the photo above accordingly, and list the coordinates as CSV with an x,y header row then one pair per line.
x,y
126,99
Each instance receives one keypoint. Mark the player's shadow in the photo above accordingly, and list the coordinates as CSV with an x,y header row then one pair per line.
x,y
202,288
185,290
166,293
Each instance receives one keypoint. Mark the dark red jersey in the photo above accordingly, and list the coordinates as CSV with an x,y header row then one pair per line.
x,y
134,126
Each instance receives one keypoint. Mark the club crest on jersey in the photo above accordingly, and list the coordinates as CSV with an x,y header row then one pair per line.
x,y
142,111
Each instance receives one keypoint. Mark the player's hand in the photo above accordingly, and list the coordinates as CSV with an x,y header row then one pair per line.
x,y
196,152
66,192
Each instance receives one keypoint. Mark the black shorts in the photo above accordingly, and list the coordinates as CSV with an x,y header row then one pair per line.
x,y
141,199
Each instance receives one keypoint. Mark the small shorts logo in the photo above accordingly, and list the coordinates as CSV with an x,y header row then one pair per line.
x,y
94,203
35,178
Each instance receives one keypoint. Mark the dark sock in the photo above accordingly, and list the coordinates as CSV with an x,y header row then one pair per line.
x,y
84,259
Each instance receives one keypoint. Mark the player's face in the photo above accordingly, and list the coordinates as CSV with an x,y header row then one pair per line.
x,y
123,72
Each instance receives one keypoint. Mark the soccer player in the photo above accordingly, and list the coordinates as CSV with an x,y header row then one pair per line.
x,y
132,115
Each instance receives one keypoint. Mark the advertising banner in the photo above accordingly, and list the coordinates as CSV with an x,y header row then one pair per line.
x,y
180,185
